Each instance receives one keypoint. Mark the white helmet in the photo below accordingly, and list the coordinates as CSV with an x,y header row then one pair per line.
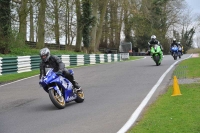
x,y
45,54
153,37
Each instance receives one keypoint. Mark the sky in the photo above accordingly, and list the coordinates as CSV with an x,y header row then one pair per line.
x,y
194,5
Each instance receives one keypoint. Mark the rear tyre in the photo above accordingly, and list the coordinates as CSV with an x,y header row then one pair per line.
x,y
80,96
58,101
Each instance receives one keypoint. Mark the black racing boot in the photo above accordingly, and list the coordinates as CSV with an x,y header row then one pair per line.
x,y
76,86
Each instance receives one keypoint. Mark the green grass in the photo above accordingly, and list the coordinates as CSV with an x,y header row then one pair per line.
x,y
27,51
175,114
16,76
189,68
134,57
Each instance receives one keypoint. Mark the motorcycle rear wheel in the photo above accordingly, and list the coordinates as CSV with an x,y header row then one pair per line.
x,y
59,102
80,97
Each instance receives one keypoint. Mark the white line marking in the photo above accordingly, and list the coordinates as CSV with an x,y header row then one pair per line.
x,y
137,112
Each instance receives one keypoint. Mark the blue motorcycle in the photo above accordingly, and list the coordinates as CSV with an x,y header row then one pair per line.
x,y
179,51
60,89
174,51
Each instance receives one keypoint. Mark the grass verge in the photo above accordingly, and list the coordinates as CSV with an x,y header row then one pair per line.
x,y
16,76
178,114
174,114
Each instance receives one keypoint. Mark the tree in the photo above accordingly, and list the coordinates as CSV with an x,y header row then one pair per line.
x,y
31,38
23,12
92,47
112,24
103,7
56,25
41,24
79,27
5,26
87,21
187,39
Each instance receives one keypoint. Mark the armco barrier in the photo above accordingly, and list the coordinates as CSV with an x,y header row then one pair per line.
x,y
21,64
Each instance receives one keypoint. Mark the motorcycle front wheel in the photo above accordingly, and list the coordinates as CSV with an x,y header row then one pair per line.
x,y
58,101
156,59
175,57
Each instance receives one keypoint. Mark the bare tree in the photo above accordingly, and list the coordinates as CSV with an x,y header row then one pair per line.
x,y
23,12
56,25
79,26
41,24
92,47
31,37
103,5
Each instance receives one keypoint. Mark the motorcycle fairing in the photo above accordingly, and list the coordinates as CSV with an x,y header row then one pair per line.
x,y
156,51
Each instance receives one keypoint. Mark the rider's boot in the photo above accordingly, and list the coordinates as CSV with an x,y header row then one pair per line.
x,y
77,87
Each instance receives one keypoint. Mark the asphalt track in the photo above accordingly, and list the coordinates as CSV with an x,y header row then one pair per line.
x,y
115,95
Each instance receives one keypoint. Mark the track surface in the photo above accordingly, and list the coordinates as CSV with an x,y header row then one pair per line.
x,y
112,93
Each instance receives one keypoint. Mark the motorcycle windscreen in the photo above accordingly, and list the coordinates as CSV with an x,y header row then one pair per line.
x,y
50,75
155,49
48,69
175,48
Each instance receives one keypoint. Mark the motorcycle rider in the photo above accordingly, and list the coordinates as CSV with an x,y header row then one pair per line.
x,y
52,61
180,45
174,43
152,42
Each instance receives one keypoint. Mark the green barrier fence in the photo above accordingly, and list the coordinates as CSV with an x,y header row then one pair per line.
x,y
21,64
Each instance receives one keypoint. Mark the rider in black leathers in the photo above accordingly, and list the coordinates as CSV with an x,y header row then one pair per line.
x,y
180,45
51,61
173,44
153,41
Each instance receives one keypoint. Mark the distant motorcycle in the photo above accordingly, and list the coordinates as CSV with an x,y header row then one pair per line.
x,y
174,51
156,54
60,89
179,51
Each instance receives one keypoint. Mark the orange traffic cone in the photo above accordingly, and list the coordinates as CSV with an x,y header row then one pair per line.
x,y
176,89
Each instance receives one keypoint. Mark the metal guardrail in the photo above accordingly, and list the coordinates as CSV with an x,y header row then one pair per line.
x,y
22,64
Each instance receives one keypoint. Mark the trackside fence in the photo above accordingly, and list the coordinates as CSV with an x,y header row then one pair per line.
x,y
22,64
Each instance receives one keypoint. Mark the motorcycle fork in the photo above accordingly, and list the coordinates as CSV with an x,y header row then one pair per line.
x,y
55,87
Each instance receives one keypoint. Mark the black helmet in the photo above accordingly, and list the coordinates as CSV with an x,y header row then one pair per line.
x,y
45,54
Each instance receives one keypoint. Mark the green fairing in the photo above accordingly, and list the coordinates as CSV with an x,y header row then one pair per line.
x,y
156,54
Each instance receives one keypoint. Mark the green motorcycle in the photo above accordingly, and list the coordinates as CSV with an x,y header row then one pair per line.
x,y
156,54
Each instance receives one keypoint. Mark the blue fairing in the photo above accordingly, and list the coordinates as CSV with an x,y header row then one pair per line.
x,y
174,49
